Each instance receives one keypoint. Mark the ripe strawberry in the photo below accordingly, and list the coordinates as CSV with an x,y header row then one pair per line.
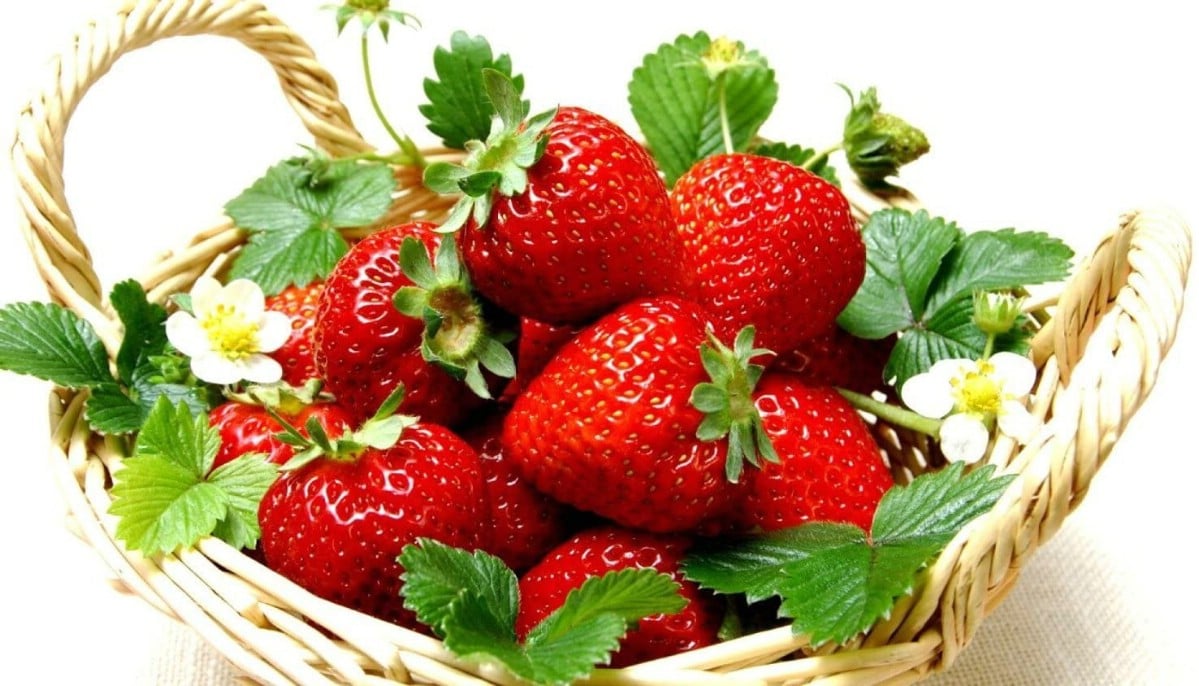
x,y
537,344
295,356
607,426
365,348
838,358
247,428
337,524
523,522
829,466
563,234
770,245
596,551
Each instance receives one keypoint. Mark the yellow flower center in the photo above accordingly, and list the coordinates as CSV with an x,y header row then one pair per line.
x,y
978,392
231,335
722,54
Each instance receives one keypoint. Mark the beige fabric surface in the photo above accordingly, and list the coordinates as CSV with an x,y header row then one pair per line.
x,y
1055,117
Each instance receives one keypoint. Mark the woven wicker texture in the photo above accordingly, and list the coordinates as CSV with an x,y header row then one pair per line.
x,y
1098,357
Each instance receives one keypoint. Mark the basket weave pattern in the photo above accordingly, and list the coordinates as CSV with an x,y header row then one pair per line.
x,y
1098,349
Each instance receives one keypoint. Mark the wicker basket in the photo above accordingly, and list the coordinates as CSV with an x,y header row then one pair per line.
x,y
1101,341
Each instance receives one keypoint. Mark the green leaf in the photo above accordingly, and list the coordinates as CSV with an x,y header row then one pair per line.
x,y
629,594
833,579
110,411
165,498
279,259
471,601
904,254
52,343
294,222
988,260
436,574
800,157
677,103
145,334
459,109
244,481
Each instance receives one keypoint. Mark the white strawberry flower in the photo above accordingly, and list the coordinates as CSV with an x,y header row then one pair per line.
x,y
229,333
973,395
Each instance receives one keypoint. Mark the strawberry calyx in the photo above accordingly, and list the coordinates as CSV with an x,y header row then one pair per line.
x,y
457,337
282,397
500,163
380,432
728,404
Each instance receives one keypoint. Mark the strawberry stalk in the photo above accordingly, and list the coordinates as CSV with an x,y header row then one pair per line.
x,y
728,404
456,337
893,414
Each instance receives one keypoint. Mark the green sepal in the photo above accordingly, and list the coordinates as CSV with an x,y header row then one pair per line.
x,y
727,402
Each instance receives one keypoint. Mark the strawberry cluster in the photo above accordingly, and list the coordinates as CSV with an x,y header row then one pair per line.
x,y
579,369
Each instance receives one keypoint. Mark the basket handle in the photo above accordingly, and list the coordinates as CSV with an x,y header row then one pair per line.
x,y
62,258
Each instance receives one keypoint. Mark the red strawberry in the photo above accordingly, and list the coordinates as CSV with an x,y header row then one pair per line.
x,y
537,344
838,358
597,551
337,524
770,245
829,466
524,523
565,233
365,348
608,427
247,428
299,304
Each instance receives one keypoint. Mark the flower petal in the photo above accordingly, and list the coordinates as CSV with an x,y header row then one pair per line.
x,y
214,368
185,333
964,438
244,296
274,328
205,295
1017,372
260,369
953,368
1016,421
928,395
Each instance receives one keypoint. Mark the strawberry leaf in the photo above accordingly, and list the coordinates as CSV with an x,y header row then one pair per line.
x,y
471,601
921,275
833,579
676,101
145,334
52,343
459,109
293,213
904,253
165,498
800,157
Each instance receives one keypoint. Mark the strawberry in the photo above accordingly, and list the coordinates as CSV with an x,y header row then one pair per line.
x,y
536,345
247,428
295,356
336,523
364,347
524,523
596,551
838,358
770,245
829,467
565,217
608,427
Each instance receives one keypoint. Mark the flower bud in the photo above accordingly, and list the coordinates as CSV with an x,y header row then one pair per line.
x,y
996,312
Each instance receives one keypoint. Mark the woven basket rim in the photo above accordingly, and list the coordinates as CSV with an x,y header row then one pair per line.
x,y
1097,357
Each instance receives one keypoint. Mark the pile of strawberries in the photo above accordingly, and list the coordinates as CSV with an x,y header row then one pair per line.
x,y
645,407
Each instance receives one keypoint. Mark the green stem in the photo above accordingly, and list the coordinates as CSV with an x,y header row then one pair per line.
x,y
405,144
990,347
822,155
892,414
724,114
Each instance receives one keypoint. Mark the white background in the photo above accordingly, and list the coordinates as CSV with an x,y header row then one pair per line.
x,y
1056,117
